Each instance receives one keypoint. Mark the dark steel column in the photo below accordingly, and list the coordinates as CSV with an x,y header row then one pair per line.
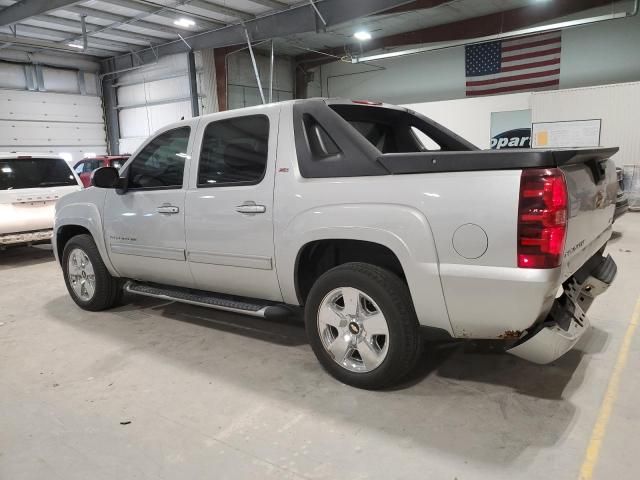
x,y
193,84
109,102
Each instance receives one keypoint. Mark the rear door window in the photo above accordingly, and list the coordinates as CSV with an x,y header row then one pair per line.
x,y
35,173
234,151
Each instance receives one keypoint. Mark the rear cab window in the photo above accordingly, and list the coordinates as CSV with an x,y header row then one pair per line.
x,y
354,139
28,172
393,130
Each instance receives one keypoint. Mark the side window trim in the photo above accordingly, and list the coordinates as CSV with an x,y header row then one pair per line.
x,y
126,166
240,183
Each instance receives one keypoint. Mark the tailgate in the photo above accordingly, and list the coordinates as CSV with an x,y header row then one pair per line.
x,y
592,187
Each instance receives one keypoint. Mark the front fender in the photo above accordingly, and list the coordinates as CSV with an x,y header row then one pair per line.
x,y
86,215
402,229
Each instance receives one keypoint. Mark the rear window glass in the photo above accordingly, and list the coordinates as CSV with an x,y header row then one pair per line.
x,y
399,131
35,173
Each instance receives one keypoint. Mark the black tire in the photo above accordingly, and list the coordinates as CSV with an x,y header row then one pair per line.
x,y
108,289
392,296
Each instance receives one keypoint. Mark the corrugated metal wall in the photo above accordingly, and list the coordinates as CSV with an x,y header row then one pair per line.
x,y
152,97
617,105
242,87
51,110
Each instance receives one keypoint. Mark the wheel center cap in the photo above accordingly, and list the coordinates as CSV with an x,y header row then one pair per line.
x,y
354,328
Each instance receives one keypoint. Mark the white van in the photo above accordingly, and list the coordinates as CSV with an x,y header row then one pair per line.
x,y
30,185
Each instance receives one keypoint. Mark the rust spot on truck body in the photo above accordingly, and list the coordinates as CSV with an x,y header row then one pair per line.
x,y
509,334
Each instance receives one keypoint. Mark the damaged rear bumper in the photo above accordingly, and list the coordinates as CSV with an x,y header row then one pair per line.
x,y
567,321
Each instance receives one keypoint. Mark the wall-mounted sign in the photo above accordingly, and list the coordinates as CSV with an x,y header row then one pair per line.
x,y
568,134
510,129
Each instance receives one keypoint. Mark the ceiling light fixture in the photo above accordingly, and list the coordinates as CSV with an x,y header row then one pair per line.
x,y
76,45
184,22
362,35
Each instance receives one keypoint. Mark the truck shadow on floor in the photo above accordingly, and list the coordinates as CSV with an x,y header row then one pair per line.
x,y
486,362
288,331
15,257
479,397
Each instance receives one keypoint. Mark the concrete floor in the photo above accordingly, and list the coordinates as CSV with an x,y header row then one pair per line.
x,y
214,395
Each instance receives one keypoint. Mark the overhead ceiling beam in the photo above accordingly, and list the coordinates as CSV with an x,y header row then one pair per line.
x,y
470,28
28,8
36,43
299,19
414,5
76,25
221,9
167,11
122,20
274,4
64,37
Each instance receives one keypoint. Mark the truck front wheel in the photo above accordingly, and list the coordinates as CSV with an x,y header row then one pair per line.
x,y
362,326
88,281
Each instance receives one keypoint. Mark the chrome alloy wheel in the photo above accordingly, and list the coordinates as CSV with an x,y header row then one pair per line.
x,y
81,275
353,329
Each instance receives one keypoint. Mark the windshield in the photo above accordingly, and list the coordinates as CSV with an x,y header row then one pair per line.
x,y
34,173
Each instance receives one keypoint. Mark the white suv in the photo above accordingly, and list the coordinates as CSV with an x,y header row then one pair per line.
x,y
30,185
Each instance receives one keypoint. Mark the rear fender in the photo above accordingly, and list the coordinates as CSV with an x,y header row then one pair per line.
x,y
403,230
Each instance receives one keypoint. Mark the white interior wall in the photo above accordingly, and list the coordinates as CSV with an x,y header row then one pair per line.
x,y
471,117
616,105
56,116
597,54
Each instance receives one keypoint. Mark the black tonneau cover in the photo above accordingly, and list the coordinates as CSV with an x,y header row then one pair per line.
x,y
513,159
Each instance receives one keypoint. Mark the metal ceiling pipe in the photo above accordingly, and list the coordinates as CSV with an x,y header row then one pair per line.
x,y
255,66
83,25
271,75
501,36
49,59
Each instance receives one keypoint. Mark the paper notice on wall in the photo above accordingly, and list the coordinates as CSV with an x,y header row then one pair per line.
x,y
571,134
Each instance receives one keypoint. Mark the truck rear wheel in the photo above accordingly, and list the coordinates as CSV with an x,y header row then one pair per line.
x,y
362,326
88,281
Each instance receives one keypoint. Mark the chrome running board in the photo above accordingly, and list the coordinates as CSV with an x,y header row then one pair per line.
x,y
219,301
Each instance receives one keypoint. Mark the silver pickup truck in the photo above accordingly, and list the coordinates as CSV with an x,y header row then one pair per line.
x,y
373,218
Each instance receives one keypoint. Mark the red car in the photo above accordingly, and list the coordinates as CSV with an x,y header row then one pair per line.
x,y
86,166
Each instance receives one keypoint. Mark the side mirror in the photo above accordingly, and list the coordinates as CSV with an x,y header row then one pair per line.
x,y
105,177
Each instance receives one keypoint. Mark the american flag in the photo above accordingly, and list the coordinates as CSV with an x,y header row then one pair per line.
x,y
518,65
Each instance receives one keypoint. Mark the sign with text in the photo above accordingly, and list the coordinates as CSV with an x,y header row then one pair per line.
x,y
510,129
567,134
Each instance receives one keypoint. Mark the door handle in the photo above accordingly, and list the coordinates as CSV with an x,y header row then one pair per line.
x,y
169,209
251,207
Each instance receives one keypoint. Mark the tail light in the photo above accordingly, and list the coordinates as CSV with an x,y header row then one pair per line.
x,y
542,218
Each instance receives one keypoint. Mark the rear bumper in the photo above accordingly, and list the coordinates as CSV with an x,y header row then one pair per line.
x,y
567,321
35,236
